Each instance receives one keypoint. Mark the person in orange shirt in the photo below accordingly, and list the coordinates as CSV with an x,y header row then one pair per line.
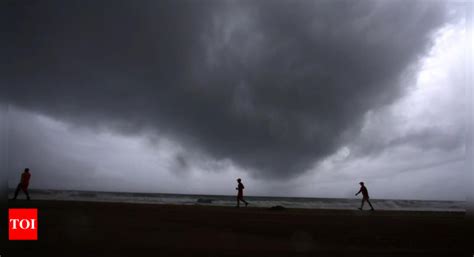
x,y
23,185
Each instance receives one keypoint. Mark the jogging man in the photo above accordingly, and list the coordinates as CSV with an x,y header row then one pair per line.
x,y
240,195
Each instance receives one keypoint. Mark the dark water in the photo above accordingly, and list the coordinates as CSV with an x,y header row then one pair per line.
x,y
220,200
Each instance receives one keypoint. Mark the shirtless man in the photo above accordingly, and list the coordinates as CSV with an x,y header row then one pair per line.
x,y
240,195
365,196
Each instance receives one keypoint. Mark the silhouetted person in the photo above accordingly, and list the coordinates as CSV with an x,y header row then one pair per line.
x,y
24,182
240,195
365,196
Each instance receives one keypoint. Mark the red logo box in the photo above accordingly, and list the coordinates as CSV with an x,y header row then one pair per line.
x,y
23,224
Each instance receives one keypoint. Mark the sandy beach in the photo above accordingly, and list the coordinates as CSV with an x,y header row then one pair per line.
x,y
68,228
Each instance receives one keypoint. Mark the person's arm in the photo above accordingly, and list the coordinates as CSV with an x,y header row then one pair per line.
x,y
359,191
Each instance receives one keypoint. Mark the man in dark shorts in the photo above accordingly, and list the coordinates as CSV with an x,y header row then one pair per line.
x,y
23,185
240,195
365,196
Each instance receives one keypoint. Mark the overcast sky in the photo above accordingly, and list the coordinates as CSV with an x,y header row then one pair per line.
x,y
298,98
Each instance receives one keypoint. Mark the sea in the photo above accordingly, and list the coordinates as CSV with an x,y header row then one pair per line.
x,y
255,201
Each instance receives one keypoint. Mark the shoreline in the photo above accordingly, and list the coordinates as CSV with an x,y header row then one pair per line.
x,y
315,210
256,201
11,190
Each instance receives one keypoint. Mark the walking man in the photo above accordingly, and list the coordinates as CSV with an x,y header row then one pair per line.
x,y
240,195
23,185
365,196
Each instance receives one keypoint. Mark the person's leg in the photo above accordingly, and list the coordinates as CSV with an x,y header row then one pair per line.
x,y
25,190
372,208
17,191
362,204
238,202
246,203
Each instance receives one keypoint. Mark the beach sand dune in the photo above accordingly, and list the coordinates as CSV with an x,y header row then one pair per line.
x,y
68,228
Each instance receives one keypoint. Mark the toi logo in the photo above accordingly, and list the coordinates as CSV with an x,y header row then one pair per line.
x,y
23,224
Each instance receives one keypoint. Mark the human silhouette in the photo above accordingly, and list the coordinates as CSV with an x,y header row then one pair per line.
x,y
365,196
23,185
240,193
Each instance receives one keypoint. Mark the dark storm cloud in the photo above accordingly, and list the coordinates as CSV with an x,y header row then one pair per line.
x,y
272,86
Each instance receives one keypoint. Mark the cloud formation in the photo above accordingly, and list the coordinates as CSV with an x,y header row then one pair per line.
x,y
273,87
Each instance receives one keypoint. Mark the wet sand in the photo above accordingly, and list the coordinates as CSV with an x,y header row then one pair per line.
x,y
68,228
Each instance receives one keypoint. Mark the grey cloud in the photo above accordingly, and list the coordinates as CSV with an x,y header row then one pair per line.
x,y
271,86
432,138
382,138
30,148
